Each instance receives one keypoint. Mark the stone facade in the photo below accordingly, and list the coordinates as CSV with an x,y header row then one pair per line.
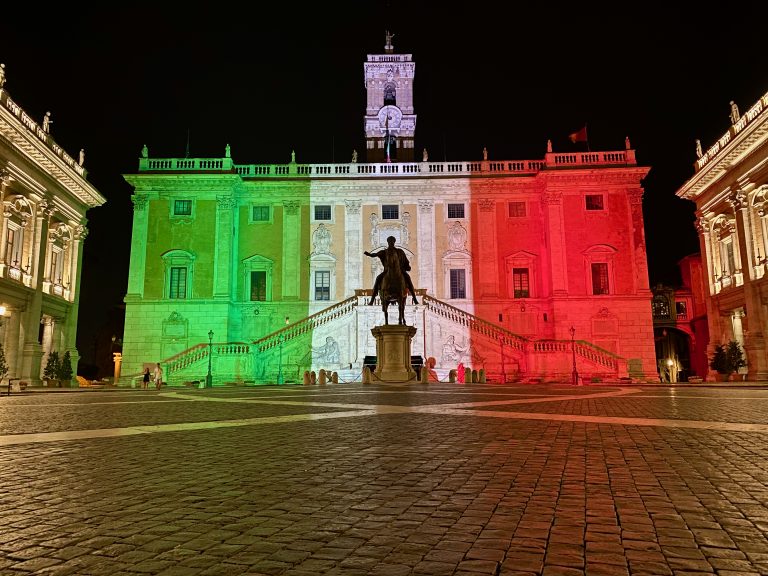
x,y
507,255
45,195
730,189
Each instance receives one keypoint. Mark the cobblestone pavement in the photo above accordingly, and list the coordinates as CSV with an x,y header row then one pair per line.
x,y
352,479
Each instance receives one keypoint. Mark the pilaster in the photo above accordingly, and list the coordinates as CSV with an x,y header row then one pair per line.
x,y
291,262
222,265
558,264
489,266
137,266
426,232
638,257
353,238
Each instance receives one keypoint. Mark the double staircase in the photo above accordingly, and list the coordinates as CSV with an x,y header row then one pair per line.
x,y
288,352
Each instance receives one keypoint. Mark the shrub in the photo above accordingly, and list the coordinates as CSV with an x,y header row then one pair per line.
x,y
64,371
734,356
52,366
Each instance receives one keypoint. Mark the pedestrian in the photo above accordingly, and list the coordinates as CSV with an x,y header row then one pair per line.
x,y
158,376
145,380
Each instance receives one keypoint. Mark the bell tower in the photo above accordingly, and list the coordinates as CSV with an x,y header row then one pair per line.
x,y
390,124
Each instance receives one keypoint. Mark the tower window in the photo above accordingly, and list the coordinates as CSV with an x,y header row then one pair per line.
x,y
259,285
390,212
390,94
521,282
260,214
517,209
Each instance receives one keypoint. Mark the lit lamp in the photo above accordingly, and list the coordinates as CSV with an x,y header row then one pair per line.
x,y
575,374
281,339
2,314
209,377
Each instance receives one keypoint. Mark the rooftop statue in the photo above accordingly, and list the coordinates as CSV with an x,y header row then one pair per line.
x,y
2,75
394,282
734,113
144,151
698,148
47,122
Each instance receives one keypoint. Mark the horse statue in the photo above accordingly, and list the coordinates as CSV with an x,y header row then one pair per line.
x,y
393,290
393,283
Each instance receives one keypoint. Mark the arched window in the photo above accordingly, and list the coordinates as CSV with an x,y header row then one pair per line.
x,y
390,94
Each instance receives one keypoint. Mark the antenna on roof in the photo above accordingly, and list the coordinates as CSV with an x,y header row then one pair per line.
x,y
186,153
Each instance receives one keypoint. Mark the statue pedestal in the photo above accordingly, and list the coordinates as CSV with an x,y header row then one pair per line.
x,y
393,353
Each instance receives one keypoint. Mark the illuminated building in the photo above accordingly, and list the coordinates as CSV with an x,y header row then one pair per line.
x,y
730,189
508,256
45,196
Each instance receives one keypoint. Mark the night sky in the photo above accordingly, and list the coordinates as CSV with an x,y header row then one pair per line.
x,y
291,78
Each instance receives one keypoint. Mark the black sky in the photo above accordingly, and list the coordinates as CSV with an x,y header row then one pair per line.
x,y
271,79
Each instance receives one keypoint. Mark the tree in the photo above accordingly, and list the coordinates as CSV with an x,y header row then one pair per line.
x,y
51,370
719,361
734,357
64,371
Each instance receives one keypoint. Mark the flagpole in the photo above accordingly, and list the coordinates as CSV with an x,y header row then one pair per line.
x,y
586,135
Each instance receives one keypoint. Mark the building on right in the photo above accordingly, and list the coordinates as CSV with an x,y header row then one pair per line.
x,y
730,190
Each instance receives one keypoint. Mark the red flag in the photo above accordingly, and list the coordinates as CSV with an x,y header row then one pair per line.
x,y
580,136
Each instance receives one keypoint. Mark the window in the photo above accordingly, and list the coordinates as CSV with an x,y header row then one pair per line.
x,y
660,307
390,212
455,210
520,282
57,265
323,212
322,285
178,286
13,247
594,201
259,285
182,207
260,214
681,310
390,94
599,278
517,210
730,260
458,284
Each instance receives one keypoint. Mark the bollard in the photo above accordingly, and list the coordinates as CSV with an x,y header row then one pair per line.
x,y
306,377
481,375
321,377
335,378
467,375
312,378
452,376
475,378
424,375
366,375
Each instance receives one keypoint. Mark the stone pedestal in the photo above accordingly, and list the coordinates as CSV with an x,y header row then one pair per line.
x,y
393,353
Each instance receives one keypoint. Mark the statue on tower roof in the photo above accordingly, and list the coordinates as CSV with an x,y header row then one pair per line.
x,y
388,44
2,75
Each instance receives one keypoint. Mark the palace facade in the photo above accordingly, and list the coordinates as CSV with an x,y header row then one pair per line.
x,y
529,269
730,189
45,196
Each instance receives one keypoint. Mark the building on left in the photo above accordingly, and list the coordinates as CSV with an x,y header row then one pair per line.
x,y
45,196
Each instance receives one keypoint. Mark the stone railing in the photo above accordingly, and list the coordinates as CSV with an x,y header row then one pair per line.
x,y
390,170
38,131
582,349
478,325
306,325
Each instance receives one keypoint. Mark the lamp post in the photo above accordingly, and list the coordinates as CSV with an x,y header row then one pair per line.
x,y
281,339
209,377
503,367
575,374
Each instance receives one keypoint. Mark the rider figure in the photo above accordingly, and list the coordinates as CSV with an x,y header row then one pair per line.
x,y
405,266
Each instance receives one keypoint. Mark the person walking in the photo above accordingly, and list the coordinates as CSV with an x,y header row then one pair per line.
x,y
145,379
158,376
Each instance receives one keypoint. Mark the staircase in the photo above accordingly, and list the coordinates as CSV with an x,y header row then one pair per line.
x,y
289,349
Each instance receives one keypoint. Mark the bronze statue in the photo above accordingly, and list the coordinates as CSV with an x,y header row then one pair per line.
x,y
394,282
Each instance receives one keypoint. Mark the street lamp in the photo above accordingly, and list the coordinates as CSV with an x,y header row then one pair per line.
x,y
503,367
281,339
575,374
209,377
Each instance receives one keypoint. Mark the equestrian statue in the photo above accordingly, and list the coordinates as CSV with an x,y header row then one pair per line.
x,y
394,282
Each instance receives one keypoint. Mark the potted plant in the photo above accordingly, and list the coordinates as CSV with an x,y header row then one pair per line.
x,y
719,362
734,358
64,370
51,371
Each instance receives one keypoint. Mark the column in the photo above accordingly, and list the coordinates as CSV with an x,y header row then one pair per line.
x,y
5,181
222,265
754,340
638,256
713,313
291,261
425,227
489,261
32,352
353,238
558,264
137,266
70,329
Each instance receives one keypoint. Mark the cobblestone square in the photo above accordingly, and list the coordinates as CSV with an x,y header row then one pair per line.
x,y
361,479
